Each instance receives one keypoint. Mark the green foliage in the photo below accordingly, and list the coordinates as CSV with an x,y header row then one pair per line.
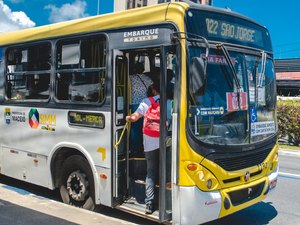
x,y
288,115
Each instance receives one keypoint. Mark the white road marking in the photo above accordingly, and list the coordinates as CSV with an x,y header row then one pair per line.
x,y
289,153
290,174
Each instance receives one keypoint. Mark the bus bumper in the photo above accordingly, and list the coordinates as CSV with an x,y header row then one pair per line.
x,y
198,207
273,179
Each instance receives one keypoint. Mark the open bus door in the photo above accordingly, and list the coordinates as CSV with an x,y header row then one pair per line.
x,y
129,187
120,110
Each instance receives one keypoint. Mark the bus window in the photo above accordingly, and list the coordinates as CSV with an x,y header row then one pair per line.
x,y
80,70
28,72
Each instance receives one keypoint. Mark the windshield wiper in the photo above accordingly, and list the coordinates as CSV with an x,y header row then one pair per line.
x,y
221,46
259,78
263,69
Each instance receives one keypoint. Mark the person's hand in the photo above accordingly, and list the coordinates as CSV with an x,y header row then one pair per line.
x,y
133,117
128,118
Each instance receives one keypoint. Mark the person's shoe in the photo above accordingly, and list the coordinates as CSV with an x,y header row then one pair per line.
x,y
149,209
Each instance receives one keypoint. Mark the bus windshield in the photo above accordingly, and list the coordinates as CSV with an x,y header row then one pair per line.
x,y
228,115
238,105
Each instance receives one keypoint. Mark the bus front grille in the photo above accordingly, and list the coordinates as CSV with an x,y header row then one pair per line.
x,y
241,161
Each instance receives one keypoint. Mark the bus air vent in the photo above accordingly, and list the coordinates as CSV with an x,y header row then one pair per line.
x,y
241,161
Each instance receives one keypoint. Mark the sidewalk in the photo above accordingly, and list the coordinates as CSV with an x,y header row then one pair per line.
x,y
20,207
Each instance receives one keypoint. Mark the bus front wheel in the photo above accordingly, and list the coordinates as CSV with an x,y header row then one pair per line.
x,y
77,183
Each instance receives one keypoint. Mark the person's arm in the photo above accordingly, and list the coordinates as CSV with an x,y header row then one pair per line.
x,y
133,117
140,112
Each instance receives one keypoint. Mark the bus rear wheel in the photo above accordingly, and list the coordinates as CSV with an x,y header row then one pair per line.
x,y
77,183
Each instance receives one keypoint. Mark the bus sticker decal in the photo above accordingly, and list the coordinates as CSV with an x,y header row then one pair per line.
x,y
47,127
141,35
7,116
210,111
218,59
34,118
253,115
11,116
262,128
47,121
18,117
103,151
234,103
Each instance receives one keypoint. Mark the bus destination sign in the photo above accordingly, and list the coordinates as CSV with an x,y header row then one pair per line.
x,y
225,30
95,120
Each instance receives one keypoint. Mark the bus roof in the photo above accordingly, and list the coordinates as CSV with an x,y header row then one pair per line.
x,y
174,11
140,16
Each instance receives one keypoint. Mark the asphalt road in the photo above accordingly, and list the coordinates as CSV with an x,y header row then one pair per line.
x,y
282,207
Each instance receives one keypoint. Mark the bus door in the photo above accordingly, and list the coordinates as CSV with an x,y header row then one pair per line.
x,y
120,110
165,191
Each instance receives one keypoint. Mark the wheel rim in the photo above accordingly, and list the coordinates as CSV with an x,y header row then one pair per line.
x,y
77,186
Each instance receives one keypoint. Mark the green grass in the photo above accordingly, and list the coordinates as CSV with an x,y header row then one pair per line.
x,y
289,147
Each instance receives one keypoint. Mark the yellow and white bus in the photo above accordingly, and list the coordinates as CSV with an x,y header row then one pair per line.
x,y
64,96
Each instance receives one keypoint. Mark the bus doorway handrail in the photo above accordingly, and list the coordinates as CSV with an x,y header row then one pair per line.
x,y
122,134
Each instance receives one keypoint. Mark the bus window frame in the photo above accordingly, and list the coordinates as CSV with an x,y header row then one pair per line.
x,y
27,72
105,68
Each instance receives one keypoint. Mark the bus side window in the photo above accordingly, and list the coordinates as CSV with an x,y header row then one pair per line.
x,y
28,72
81,69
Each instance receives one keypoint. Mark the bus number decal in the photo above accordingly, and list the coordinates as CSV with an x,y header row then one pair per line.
x,y
212,26
262,166
222,29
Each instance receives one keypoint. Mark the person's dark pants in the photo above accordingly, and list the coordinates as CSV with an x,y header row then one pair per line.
x,y
136,134
152,158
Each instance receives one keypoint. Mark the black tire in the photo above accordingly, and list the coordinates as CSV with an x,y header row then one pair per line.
x,y
77,183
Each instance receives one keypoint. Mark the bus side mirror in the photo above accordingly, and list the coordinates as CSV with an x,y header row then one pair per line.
x,y
198,76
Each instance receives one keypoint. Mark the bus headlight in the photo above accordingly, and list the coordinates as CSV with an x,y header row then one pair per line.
x,y
209,184
202,177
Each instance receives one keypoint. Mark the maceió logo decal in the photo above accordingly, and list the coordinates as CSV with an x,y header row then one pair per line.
x,y
34,118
